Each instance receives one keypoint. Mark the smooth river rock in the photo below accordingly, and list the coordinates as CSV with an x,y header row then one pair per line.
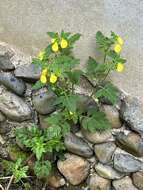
x,y
126,163
112,115
43,101
132,113
12,83
131,143
124,184
104,151
74,168
97,137
138,180
99,183
107,172
29,73
5,61
14,107
77,145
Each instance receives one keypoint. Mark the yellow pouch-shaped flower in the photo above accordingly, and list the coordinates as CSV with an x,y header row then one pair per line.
x,y
64,43
117,48
41,55
120,67
43,79
55,47
120,40
44,71
53,78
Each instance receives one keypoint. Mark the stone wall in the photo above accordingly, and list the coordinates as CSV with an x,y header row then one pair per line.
x,y
25,23
110,160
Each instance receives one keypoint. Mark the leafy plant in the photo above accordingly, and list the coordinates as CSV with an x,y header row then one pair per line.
x,y
59,73
16,169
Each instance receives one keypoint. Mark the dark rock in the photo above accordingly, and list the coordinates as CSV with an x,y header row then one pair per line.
x,y
29,73
126,163
5,62
131,143
2,117
104,151
43,101
43,122
77,146
132,113
14,107
12,83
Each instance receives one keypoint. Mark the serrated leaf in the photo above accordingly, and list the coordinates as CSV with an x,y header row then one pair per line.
x,y
74,76
42,168
74,38
108,91
52,34
96,121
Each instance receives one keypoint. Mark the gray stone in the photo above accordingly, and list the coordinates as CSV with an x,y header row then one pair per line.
x,y
127,163
131,143
2,117
112,115
107,172
14,107
43,123
132,113
104,151
99,183
43,101
5,62
77,145
138,180
74,168
28,72
97,137
124,184
12,83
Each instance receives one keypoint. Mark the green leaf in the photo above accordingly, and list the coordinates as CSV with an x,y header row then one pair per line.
x,y
38,85
108,91
75,76
52,34
96,121
103,42
38,146
43,168
96,70
74,38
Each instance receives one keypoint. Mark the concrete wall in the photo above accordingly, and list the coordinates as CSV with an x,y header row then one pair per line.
x,y
24,23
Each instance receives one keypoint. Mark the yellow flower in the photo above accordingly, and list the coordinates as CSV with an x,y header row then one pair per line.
x,y
117,48
44,71
120,40
64,43
120,67
53,78
41,55
53,40
43,79
55,47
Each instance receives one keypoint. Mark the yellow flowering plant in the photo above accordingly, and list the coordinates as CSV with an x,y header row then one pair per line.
x,y
59,74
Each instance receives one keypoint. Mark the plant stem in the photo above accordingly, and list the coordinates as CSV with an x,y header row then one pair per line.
x,y
10,181
1,187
